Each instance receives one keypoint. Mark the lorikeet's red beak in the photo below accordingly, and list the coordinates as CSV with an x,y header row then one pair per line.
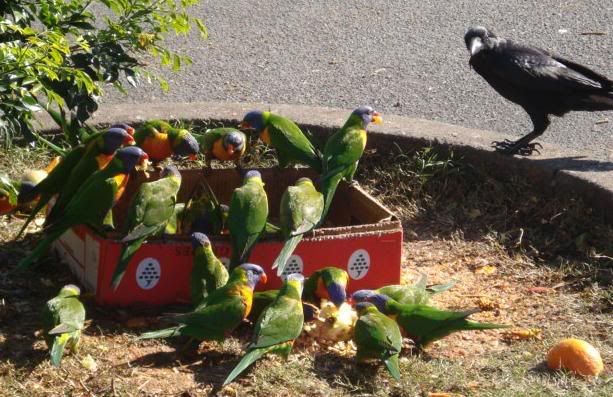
x,y
193,157
263,278
128,141
230,149
244,125
130,130
376,118
144,158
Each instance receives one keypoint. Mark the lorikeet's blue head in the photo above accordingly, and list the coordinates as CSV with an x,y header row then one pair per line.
x,y
24,190
367,115
200,240
185,145
255,274
252,174
234,142
124,126
170,170
253,119
367,295
69,290
114,138
362,307
130,157
335,282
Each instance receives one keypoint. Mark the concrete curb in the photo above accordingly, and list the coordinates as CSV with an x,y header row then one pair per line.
x,y
556,170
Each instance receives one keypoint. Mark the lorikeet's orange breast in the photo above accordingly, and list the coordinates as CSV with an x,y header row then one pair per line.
x,y
321,292
158,146
5,206
265,136
103,160
121,181
246,295
220,153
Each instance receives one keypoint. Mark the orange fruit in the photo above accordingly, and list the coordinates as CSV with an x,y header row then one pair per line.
x,y
577,356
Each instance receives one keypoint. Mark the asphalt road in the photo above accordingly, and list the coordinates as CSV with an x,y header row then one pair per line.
x,y
402,57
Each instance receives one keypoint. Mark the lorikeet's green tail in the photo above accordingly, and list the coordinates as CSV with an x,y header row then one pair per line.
x,y
57,350
127,252
162,333
328,188
473,325
287,250
245,362
393,366
42,201
42,247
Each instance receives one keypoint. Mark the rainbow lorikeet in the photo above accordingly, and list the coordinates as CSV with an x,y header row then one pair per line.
x,y
63,319
160,140
343,151
221,312
91,203
300,211
292,145
424,324
247,216
377,336
95,158
277,327
419,292
152,207
208,272
223,144
57,179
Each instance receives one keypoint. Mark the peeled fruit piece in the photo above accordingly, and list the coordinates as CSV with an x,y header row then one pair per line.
x,y
332,324
577,356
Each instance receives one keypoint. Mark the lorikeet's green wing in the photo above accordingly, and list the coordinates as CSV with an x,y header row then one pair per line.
x,y
377,336
173,226
277,327
292,145
408,294
247,218
301,209
153,206
52,184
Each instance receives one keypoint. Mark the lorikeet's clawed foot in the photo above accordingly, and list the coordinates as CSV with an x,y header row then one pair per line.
x,y
512,147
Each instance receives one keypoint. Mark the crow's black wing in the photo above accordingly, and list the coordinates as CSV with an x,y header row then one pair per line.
x,y
535,70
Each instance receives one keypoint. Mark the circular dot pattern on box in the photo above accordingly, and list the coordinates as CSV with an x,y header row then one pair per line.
x,y
293,265
358,264
148,273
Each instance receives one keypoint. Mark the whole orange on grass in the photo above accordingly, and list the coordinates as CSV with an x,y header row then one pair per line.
x,y
577,356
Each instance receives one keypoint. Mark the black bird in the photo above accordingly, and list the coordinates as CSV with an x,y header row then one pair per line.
x,y
538,81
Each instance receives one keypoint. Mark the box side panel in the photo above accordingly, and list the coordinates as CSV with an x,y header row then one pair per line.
x,y
71,249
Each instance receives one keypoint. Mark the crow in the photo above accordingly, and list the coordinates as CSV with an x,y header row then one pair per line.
x,y
540,82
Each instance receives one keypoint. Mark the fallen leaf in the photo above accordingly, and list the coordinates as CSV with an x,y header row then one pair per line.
x,y
486,270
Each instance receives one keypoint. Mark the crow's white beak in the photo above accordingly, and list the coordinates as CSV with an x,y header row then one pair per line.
x,y
475,45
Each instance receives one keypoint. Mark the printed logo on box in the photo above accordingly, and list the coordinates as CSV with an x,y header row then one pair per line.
x,y
293,265
358,264
148,273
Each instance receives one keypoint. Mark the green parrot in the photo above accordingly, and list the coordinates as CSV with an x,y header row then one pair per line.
x,y
343,151
221,312
56,180
223,144
424,324
152,207
247,217
377,336
418,293
95,158
292,145
261,300
301,208
91,203
277,328
160,140
204,213
208,272
63,318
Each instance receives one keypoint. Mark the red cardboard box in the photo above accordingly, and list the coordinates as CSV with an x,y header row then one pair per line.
x,y
360,236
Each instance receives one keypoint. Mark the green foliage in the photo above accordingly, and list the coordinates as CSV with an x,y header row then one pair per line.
x,y
58,54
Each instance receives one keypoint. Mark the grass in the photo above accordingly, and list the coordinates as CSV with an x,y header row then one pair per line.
x,y
526,259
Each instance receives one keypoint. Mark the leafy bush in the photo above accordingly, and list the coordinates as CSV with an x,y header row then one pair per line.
x,y
56,55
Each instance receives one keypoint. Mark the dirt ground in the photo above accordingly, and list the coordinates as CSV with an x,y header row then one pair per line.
x,y
546,291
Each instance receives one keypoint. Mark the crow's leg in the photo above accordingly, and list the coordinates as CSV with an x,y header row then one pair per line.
x,y
523,146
